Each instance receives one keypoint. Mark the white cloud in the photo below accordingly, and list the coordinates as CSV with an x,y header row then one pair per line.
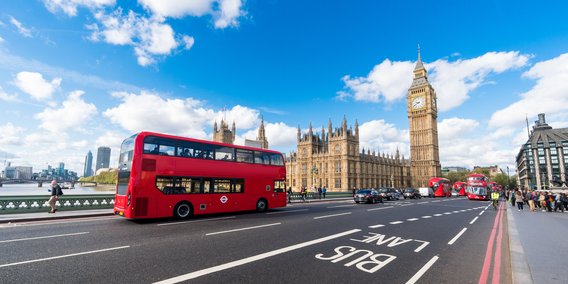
x,y
229,12
33,84
548,95
69,7
20,27
453,81
383,137
280,136
454,128
74,113
178,8
7,97
10,134
188,41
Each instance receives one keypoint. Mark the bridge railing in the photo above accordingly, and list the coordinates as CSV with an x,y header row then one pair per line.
x,y
38,203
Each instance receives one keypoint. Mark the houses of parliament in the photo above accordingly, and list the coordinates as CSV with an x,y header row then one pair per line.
x,y
334,159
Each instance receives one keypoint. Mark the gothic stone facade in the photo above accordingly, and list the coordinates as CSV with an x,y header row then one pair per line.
x,y
333,160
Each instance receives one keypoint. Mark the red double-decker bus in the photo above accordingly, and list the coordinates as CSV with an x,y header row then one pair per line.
x,y
476,187
440,186
162,175
459,188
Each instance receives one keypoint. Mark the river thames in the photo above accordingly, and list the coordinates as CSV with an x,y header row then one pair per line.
x,y
33,189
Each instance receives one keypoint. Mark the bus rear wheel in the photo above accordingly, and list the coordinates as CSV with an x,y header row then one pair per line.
x,y
261,205
183,210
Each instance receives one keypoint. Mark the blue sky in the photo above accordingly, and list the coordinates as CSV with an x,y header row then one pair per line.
x,y
78,74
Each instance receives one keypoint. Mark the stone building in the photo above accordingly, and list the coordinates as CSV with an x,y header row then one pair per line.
x,y
222,134
333,159
544,157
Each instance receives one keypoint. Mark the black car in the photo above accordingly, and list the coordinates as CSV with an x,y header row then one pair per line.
x,y
367,196
411,193
388,193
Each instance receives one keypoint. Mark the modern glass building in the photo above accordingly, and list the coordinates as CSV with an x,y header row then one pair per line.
x,y
103,158
543,157
88,170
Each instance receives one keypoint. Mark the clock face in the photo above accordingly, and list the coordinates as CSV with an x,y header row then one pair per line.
x,y
418,102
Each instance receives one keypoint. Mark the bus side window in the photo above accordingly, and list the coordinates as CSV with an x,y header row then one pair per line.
x,y
151,148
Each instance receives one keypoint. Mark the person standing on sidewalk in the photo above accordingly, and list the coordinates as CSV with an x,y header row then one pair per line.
x,y
55,193
323,191
519,199
531,196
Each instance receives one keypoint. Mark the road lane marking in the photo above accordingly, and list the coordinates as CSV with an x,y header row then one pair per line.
x,y
452,241
412,219
497,259
422,270
381,208
44,237
423,202
51,222
447,213
455,211
473,221
405,205
489,251
197,221
333,215
481,213
62,256
438,215
396,222
287,211
426,217
243,229
257,257
340,206
376,226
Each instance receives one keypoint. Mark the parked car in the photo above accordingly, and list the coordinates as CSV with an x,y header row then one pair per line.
x,y
367,196
426,192
388,193
411,193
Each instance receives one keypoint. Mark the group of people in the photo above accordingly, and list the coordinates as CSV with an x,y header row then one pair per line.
x,y
538,200
318,193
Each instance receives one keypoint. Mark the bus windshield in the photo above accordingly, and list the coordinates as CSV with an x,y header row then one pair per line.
x,y
478,190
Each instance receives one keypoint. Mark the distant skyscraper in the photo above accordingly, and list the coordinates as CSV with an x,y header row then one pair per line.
x,y
61,169
88,171
103,158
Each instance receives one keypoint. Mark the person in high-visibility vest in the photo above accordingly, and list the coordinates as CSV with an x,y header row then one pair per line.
x,y
495,198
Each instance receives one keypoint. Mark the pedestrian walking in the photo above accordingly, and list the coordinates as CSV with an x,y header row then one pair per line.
x,y
519,199
319,192
323,191
55,193
289,192
530,197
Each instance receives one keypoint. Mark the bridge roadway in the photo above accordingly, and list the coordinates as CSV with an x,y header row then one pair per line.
x,y
450,240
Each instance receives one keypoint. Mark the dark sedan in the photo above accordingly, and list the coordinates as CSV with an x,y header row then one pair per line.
x,y
411,193
367,196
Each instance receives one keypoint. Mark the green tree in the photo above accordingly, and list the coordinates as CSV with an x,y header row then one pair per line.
x,y
500,179
482,171
457,176
102,178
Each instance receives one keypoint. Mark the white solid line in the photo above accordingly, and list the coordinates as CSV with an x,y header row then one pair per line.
x,y
44,237
334,215
473,221
197,221
242,229
380,208
61,256
396,222
287,211
422,270
376,226
243,261
339,206
452,241
426,217
412,219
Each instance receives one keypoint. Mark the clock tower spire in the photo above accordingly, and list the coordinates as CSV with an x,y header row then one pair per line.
x,y
423,119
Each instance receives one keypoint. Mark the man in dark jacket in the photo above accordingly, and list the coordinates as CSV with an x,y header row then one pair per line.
x,y
55,193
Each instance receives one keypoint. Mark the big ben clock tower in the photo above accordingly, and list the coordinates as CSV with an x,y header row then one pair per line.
x,y
423,118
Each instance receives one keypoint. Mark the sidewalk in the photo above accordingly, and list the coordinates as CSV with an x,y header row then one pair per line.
x,y
23,217
538,245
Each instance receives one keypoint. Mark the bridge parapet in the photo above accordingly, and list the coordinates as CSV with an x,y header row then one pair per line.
x,y
38,203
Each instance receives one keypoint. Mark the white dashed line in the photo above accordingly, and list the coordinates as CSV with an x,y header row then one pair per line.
x,y
333,215
412,219
473,221
426,217
438,215
452,241
422,270
396,222
287,211
381,208
243,229
376,226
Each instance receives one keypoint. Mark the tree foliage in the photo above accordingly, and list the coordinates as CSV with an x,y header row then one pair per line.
x,y
457,176
102,178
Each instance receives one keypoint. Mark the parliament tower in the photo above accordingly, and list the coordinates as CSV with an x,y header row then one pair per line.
x,y
423,119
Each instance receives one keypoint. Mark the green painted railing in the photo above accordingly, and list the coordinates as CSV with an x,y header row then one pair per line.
x,y
38,203
297,196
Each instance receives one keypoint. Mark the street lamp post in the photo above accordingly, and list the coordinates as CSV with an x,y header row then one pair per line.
x,y
508,178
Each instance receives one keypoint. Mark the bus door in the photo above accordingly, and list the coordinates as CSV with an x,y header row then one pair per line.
x,y
279,193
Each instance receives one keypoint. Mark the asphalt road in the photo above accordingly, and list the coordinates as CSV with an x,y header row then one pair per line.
x,y
449,240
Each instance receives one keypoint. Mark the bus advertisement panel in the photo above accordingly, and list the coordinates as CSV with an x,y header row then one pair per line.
x,y
459,188
476,187
162,175
440,186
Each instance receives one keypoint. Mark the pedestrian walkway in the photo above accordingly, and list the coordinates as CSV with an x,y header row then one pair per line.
x,y
538,246
38,216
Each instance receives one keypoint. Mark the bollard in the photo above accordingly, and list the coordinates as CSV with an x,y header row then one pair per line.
x,y
40,184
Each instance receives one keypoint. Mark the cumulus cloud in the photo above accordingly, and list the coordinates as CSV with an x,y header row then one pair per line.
x,y
7,97
225,12
74,113
35,85
454,128
548,95
453,81
69,7
10,134
280,136
20,27
383,137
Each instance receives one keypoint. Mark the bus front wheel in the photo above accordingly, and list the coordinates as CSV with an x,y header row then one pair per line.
x,y
183,210
261,205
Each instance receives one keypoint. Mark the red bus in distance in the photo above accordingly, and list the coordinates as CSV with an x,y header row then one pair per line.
x,y
440,186
163,175
459,187
476,187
